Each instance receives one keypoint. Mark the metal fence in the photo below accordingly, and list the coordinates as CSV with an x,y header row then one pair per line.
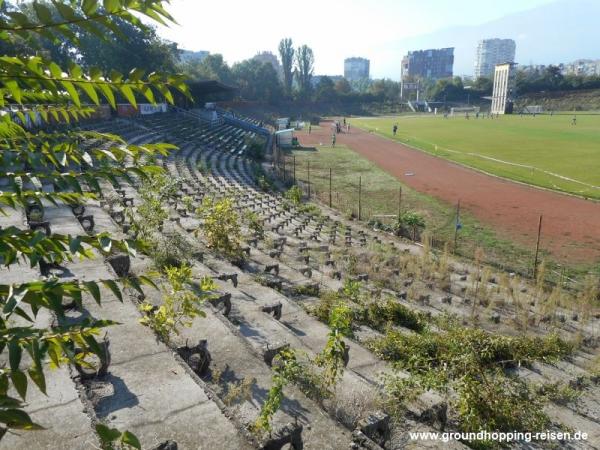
x,y
381,206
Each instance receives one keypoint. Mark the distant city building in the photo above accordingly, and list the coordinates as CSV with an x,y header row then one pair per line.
x,y
268,57
583,67
504,88
535,68
491,52
188,55
356,69
579,67
432,64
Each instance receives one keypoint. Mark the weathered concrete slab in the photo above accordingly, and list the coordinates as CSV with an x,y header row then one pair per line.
x,y
61,412
150,394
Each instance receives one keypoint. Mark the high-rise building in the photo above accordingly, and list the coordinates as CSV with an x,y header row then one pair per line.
x,y
356,69
491,52
504,92
431,64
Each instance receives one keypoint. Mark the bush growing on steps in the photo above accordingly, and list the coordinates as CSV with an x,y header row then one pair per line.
x,y
294,195
264,181
310,209
380,313
288,368
202,167
331,358
472,365
412,221
169,250
221,228
180,306
376,313
152,211
255,148
254,224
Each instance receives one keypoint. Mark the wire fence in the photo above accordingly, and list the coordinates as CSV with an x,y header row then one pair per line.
x,y
360,197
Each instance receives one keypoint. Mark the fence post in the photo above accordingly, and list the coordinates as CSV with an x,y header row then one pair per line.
x,y
330,187
284,168
537,249
294,169
359,199
308,171
456,225
399,203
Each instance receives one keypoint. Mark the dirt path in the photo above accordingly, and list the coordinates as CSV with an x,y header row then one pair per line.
x,y
571,226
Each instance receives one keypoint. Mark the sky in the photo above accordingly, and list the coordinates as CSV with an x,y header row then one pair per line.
x,y
374,29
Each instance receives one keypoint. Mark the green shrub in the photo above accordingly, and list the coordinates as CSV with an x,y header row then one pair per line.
x,y
180,304
202,167
264,183
255,148
221,227
254,224
472,364
294,195
306,289
310,209
169,250
331,358
150,214
412,221
378,314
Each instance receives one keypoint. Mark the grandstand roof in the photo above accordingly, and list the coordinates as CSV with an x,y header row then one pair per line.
x,y
210,87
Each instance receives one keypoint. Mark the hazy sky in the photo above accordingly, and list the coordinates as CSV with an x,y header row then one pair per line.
x,y
334,29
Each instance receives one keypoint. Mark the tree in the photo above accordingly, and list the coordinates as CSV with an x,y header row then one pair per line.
x,y
325,90
58,52
483,86
213,67
305,61
286,53
342,87
268,85
385,90
256,80
447,89
35,87
553,77
130,48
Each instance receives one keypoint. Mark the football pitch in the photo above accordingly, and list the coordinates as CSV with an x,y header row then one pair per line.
x,y
546,151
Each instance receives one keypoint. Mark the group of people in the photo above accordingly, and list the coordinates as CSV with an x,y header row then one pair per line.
x,y
337,128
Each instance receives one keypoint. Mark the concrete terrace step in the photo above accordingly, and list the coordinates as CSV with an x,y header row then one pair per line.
x,y
149,393
61,412
236,360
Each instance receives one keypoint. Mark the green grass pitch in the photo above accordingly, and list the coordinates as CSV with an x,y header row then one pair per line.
x,y
546,151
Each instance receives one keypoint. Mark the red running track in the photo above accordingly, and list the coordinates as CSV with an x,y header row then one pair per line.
x,y
571,225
